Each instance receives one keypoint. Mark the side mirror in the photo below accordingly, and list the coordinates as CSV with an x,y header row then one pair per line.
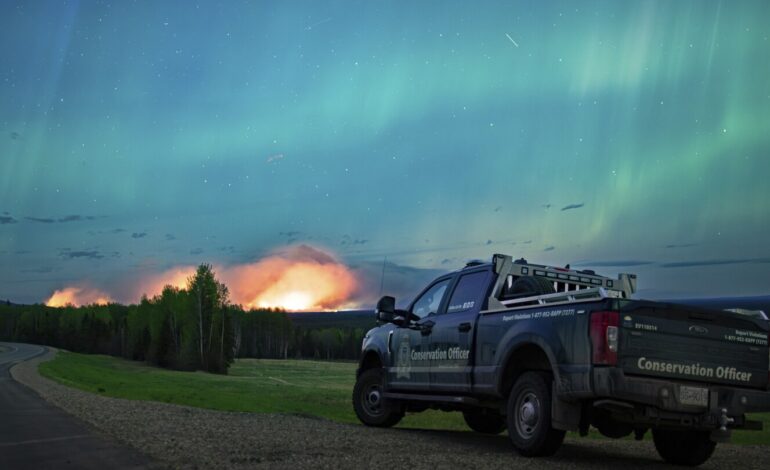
x,y
386,309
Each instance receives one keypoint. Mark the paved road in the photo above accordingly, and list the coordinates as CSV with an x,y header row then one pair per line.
x,y
35,434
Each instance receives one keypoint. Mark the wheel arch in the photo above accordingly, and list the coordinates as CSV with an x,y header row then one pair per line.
x,y
369,360
527,354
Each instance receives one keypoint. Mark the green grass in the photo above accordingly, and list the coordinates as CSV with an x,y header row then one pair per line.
x,y
310,388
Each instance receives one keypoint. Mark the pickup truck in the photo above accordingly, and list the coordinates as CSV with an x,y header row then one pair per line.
x,y
540,350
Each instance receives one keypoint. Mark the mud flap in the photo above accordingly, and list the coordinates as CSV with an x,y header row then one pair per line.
x,y
565,415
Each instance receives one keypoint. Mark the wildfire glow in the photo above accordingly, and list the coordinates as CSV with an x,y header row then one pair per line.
x,y
298,278
301,278
176,277
77,296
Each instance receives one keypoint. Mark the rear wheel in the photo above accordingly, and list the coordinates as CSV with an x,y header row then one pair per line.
x,y
683,447
369,404
529,416
485,422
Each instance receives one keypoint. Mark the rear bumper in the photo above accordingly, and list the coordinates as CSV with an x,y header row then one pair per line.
x,y
657,401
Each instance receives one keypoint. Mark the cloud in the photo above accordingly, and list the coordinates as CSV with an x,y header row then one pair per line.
x,y
7,220
40,220
611,263
92,254
196,251
715,262
402,282
549,248
138,234
40,270
489,242
66,218
683,245
77,218
170,237
348,240
572,206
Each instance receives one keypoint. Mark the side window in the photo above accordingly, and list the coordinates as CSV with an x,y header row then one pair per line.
x,y
430,301
468,291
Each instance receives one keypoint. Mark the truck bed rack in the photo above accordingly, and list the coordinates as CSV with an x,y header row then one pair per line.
x,y
583,295
570,285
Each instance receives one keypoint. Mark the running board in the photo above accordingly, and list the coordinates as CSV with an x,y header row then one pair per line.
x,y
432,398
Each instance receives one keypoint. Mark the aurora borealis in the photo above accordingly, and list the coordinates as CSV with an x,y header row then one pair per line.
x,y
623,136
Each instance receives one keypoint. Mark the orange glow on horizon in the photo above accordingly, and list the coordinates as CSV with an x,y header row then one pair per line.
x,y
300,278
77,297
176,277
292,284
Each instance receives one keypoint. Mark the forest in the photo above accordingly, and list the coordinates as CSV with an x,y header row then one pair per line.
x,y
195,328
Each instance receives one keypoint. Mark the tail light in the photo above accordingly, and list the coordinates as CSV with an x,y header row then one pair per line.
x,y
604,337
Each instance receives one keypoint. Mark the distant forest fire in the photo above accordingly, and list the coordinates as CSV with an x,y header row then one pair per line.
x,y
296,279
77,296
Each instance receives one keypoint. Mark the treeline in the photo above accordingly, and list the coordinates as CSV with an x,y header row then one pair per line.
x,y
187,329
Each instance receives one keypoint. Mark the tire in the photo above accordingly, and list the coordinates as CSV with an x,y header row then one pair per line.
x,y
531,285
529,416
485,422
683,447
370,407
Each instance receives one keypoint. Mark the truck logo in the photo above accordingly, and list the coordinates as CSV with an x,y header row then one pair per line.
x,y
697,329
404,361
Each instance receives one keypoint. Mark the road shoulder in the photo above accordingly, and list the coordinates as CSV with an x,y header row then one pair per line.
x,y
181,436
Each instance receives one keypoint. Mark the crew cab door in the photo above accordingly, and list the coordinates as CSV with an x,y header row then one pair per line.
x,y
410,346
453,332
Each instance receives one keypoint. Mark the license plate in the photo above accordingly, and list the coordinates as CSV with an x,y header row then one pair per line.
x,y
693,396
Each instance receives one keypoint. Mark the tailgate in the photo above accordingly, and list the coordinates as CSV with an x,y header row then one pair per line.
x,y
675,341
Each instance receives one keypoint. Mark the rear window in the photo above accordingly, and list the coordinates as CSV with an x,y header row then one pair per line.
x,y
468,292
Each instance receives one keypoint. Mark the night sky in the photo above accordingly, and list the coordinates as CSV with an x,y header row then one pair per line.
x,y
136,137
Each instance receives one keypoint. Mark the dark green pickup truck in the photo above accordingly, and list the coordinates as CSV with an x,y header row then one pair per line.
x,y
539,350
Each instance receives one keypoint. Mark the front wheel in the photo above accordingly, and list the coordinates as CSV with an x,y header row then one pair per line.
x,y
370,406
485,422
529,416
683,447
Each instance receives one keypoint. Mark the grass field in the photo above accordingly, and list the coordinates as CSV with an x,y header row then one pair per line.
x,y
310,388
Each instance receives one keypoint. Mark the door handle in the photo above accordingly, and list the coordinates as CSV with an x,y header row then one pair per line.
x,y
464,327
426,328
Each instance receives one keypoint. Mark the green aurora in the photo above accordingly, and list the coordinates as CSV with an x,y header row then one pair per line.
x,y
626,136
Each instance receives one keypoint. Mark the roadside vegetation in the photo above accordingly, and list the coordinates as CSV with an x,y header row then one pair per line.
x,y
309,388
195,328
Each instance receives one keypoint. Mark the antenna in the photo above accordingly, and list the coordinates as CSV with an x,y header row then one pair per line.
x,y
382,276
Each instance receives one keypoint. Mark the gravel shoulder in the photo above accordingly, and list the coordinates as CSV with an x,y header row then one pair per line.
x,y
186,437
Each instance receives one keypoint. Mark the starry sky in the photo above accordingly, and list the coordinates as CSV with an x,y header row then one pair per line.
x,y
620,136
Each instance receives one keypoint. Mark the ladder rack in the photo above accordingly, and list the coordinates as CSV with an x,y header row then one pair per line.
x,y
558,298
570,285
